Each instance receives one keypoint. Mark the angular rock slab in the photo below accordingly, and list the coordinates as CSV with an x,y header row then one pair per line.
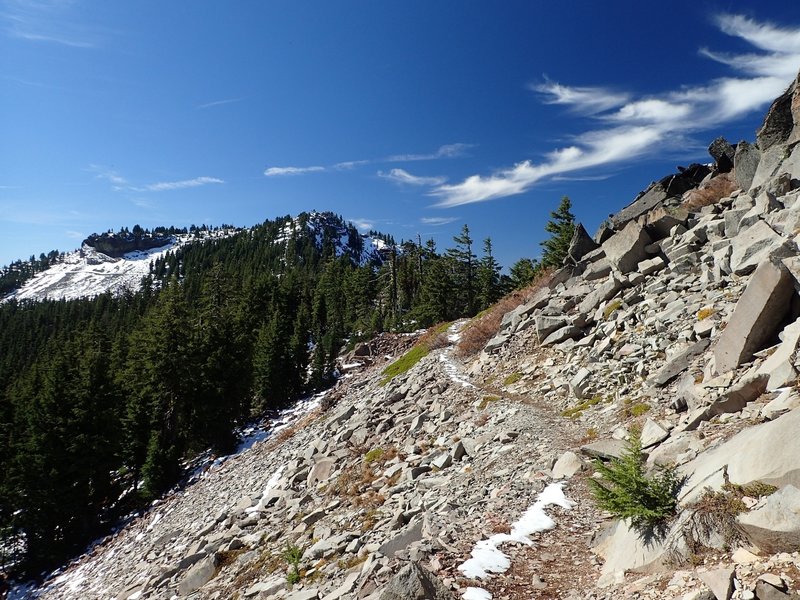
x,y
757,315
626,249
719,581
678,364
755,245
745,163
779,365
769,453
414,582
775,527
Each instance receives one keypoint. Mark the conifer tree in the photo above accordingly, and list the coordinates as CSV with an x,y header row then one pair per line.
x,y
489,290
463,261
561,227
522,272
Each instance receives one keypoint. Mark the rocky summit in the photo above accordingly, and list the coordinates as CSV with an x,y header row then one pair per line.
x,y
679,320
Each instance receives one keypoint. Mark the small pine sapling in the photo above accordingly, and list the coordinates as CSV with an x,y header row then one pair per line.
x,y
628,493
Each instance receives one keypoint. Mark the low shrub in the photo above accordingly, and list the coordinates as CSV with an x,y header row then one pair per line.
x,y
486,324
512,379
628,493
709,192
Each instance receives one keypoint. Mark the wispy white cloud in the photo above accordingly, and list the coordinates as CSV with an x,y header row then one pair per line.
x,y
75,235
634,127
363,225
438,220
163,186
219,103
117,181
402,176
588,100
281,171
48,22
446,151
350,164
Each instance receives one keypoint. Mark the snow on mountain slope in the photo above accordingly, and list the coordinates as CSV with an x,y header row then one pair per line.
x,y
86,272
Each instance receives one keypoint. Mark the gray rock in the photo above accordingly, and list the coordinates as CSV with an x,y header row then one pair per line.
x,y
321,471
580,383
787,400
765,591
678,364
732,401
198,576
546,325
607,289
769,165
769,452
605,449
567,465
267,588
775,526
779,122
755,245
580,245
723,154
719,581
653,433
413,582
756,317
779,366
660,221
626,249
745,163
496,342
309,594
565,333
412,533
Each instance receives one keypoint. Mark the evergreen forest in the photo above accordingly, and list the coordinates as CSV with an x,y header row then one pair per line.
x,y
103,400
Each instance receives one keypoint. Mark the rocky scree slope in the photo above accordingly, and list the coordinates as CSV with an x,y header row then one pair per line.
x,y
683,322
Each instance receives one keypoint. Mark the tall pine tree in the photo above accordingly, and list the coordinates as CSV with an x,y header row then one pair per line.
x,y
561,227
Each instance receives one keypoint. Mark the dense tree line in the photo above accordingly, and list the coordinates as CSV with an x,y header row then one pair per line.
x,y
103,399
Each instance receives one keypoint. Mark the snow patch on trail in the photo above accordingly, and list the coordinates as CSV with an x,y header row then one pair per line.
x,y
451,368
486,556
473,593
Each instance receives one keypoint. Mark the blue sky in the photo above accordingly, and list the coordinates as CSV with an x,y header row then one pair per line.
x,y
407,117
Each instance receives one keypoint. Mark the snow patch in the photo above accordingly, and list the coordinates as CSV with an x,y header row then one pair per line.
x,y
473,593
486,555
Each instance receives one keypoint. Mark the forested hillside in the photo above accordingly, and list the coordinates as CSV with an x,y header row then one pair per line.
x,y
103,399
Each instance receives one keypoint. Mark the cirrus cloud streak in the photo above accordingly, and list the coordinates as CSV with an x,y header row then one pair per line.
x,y
632,127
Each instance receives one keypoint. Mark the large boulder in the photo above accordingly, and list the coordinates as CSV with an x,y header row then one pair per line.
x,y
414,582
745,163
755,320
779,366
580,245
769,453
779,123
200,574
723,154
775,526
755,245
627,248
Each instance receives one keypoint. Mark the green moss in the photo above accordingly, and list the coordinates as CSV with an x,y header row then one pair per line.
x,y
637,410
577,411
373,455
486,400
512,379
404,363
611,308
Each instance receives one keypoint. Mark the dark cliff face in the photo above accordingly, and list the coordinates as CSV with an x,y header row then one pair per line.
x,y
116,245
